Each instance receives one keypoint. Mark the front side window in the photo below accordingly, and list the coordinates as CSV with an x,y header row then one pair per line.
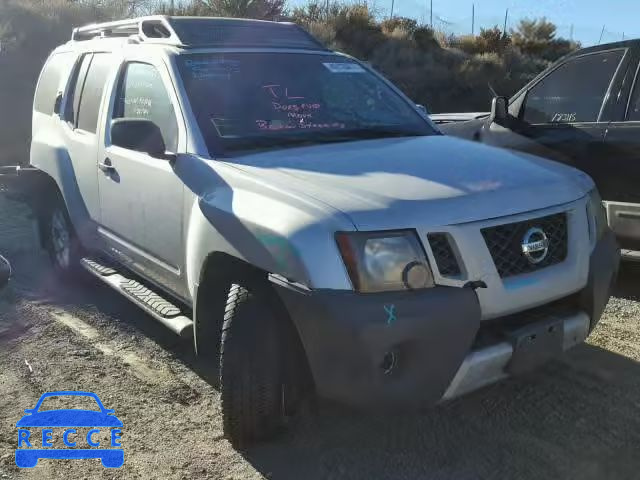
x,y
142,95
253,100
574,92
91,99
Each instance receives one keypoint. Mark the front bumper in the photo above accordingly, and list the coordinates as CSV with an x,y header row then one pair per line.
x,y
429,338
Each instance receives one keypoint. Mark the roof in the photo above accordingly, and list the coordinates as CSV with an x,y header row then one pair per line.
x,y
607,46
199,32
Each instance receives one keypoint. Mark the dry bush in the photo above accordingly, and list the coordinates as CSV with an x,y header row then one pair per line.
x,y
29,30
441,71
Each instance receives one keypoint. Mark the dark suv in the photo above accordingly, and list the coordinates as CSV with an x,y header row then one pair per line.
x,y
584,111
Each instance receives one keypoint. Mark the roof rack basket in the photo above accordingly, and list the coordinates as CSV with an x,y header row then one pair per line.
x,y
194,32
156,28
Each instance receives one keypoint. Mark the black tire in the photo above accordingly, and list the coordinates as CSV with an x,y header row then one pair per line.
x,y
60,239
255,348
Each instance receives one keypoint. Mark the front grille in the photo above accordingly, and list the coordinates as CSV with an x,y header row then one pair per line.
x,y
443,253
505,244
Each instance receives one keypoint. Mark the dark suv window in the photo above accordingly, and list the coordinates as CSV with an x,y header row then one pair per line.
x,y
142,95
574,92
57,66
89,107
634,104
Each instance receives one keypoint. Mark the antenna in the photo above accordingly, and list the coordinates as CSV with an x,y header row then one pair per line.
x,y
493,92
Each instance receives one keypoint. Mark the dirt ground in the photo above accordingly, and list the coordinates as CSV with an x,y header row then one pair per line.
x,y
578,418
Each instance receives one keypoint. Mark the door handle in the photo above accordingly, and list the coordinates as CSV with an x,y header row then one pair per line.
x,y
106,166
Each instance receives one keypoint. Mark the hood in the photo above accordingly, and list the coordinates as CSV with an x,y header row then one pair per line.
x,y
418,181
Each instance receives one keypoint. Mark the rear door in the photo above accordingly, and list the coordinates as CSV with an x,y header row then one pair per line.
x,y
79,120
619,178
564,115
141,196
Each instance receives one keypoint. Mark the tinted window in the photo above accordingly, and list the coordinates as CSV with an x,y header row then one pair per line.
x,y
634,104
574,92
142,94
49,84
77,81
89,109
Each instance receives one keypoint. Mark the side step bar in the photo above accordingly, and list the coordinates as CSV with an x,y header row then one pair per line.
x,y
630,255
158,307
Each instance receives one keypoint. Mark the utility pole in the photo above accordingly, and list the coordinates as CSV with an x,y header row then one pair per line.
x,y
506,17
571,33
473,18
172,7
601,34
392,2
431,18
623,36
327,9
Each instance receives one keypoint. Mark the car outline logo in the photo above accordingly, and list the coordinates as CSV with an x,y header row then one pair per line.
x,y
65,418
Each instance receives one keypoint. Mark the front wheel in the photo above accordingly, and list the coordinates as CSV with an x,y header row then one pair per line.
x,y
60,240
256,348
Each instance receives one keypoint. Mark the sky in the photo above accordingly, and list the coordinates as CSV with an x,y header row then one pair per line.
x,y
619,17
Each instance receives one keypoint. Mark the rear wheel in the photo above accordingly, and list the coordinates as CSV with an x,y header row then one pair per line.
x,y
256,384
60,240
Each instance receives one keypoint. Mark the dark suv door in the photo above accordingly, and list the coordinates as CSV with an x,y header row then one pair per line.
x,y
619,176
568,109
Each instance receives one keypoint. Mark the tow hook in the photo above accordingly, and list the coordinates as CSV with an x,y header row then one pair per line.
x,y
475,284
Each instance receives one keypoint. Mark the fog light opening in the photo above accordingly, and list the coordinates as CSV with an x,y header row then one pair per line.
x,y
389,362
416,275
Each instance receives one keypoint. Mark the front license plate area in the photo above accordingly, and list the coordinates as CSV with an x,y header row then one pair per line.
x,y
534,345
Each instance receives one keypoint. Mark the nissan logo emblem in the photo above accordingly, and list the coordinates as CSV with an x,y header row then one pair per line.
x,y
535,245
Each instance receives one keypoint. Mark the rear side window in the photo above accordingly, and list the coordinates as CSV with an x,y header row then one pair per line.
x,y
75,91
142,94
49,85
574,92
91,99
634,104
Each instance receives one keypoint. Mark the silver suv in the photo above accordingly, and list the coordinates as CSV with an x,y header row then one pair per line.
x,y
305,220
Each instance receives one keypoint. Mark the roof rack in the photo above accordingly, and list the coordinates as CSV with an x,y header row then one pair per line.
x,y
147,28
198,32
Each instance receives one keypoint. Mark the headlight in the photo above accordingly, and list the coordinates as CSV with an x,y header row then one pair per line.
x,y
385,261
596,214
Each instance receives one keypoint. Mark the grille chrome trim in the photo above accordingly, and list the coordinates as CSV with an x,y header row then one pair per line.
x,y
505,244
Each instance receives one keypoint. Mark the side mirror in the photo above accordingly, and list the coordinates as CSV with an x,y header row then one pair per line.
x,y
140,135
58,104
500,111
5,271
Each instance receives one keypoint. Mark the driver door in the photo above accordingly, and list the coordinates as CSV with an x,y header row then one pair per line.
x,y
564,114
141,196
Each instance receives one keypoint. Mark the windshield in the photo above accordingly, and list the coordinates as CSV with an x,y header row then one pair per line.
x,y
253,100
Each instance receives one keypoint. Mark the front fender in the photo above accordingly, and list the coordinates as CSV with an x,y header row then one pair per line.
x,y
280,232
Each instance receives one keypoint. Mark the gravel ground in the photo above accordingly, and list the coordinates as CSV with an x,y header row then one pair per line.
x,y
576,418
